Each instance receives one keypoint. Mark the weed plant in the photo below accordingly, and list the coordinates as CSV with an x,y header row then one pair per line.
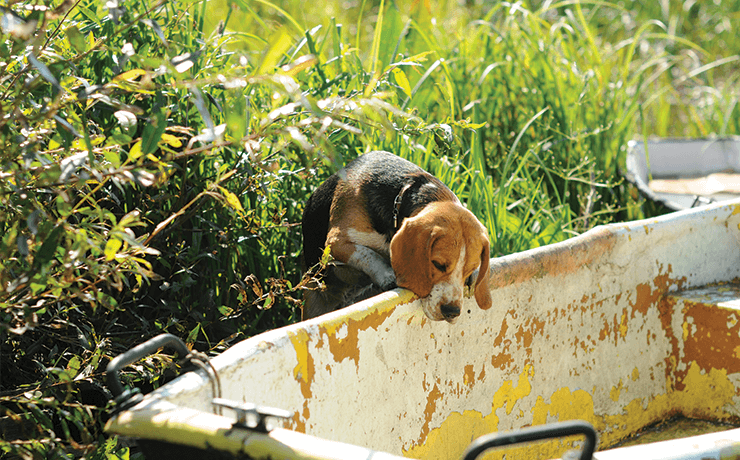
x,y
156,157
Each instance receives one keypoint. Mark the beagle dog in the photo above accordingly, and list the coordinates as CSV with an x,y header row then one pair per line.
x,y
389,223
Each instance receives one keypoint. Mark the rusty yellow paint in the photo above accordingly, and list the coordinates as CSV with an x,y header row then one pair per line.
x,y
615,391
522,389
685,329
623,325
304,369
564,405
455,434
634,415
707,394
469,376
459,429
342,334
303,373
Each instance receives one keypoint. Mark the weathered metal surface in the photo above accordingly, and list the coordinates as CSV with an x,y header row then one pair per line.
x,y
578,330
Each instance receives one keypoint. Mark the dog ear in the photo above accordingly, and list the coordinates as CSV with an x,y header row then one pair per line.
x,y
483,283
411,256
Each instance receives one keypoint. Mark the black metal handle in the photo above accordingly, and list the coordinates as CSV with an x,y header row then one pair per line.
x,y
535,433
131,397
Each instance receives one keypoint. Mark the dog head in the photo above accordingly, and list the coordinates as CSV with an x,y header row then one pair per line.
x,y
436,252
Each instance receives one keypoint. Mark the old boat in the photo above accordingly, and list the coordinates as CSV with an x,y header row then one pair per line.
x,y
685,173
622,327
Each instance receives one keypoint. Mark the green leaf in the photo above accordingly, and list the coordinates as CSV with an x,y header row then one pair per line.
x,y
49,247
552,233
236,119
112,247
37,285
193,335
375,49
76,39
73,366
154,25
153,132
392,35
402,81
88,13
268,301
135,151
40,416
129,219
232,200
335,30
415,59
130,75
279,45
113,157
117,139
44,72
326,256
172,141
287,16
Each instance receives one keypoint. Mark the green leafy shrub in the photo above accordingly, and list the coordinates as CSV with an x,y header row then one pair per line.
x,y
133,203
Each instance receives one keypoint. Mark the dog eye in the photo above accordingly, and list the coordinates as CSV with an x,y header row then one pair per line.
x,y
439,266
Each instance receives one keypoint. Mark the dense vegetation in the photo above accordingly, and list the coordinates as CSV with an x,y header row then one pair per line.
x,y
155,156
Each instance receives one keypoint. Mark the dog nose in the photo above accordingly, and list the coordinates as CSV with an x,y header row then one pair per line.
x,y
450,311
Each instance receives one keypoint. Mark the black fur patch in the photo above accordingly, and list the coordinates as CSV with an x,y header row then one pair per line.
x,y
381,176
315,224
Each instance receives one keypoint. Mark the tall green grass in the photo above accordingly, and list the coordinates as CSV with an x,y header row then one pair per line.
x,y
155,159
541,99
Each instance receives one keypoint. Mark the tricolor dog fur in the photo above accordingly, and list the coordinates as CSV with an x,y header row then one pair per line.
x,y
389,223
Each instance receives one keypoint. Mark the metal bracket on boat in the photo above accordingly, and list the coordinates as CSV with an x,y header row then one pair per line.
x,y
125,398
251,416
537,433
702,201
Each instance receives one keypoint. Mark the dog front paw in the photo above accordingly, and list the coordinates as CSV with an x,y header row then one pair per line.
x,y
388,282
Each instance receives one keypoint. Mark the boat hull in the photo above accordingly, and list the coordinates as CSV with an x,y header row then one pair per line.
x,y
597,328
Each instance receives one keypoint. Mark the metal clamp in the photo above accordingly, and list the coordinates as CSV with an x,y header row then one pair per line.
x,y
536,433
251,416
702,201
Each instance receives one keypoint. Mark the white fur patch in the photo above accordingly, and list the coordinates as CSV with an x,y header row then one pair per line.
x,y
449,291
372,240
374,264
